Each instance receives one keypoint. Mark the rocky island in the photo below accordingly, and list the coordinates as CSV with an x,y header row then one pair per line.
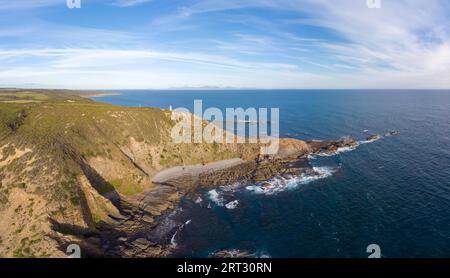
x,y
105,177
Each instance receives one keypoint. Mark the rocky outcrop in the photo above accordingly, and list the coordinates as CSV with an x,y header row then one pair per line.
x,y
144,231
77,171
100,208
392,133
373,138
331,147
260,169
292,148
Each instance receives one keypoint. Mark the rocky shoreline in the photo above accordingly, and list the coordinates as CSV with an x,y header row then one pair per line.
x,y
111,179
144,232
149,222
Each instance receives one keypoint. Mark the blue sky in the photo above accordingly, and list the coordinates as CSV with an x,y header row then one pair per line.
x,y
156,44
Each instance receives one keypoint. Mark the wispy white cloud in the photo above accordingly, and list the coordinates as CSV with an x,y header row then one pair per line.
x,y
405,44
94,68
28,4
396,37
98,58
129,3
403,38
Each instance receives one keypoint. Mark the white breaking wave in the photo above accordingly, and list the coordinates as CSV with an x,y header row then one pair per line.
x,y
173,242
338,151
344,149
262,255
232,204
215,197
230,187
369,141
279,184
199,200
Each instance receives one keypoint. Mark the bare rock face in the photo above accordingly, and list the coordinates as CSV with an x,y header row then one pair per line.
x,y
392,133
331,147
141,238
256,170
292,148
76,171
373,138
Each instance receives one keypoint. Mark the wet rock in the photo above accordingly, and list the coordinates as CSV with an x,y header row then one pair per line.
x,y
331,147
373,138
151,220
392,133
232,253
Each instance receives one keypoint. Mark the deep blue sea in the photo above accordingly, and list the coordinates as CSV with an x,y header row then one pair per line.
x,y
394,192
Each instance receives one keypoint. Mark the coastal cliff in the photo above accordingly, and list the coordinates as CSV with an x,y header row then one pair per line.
x,y
76,171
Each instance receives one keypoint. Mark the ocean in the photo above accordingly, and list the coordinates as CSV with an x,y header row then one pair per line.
x,y
394,192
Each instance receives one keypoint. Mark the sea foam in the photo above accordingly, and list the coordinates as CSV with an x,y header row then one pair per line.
x,y
216,197
344,149
173,241
232,204
279,184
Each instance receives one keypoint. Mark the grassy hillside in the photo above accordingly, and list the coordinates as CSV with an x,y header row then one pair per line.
x,y
64,157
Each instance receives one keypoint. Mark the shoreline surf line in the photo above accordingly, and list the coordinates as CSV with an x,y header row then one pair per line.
x,y
89,95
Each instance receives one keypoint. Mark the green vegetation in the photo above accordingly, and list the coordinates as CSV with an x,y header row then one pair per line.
x,y
7,151
22,97
75,201
72,130
58,150
126,187
96,219
22,185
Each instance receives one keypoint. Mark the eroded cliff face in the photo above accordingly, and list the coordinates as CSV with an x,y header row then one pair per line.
x,y
76,171
139,235
69,165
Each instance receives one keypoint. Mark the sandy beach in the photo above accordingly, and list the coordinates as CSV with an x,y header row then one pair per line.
x,y
99,94
194,170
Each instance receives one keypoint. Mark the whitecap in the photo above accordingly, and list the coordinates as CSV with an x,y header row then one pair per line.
x,y
232,204
341,150
369,141
264,255
344,149
215,197
198,200
279,184
338,151
230,187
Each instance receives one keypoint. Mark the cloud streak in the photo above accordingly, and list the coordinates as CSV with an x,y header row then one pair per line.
x,y
264,43
28,4
129,3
